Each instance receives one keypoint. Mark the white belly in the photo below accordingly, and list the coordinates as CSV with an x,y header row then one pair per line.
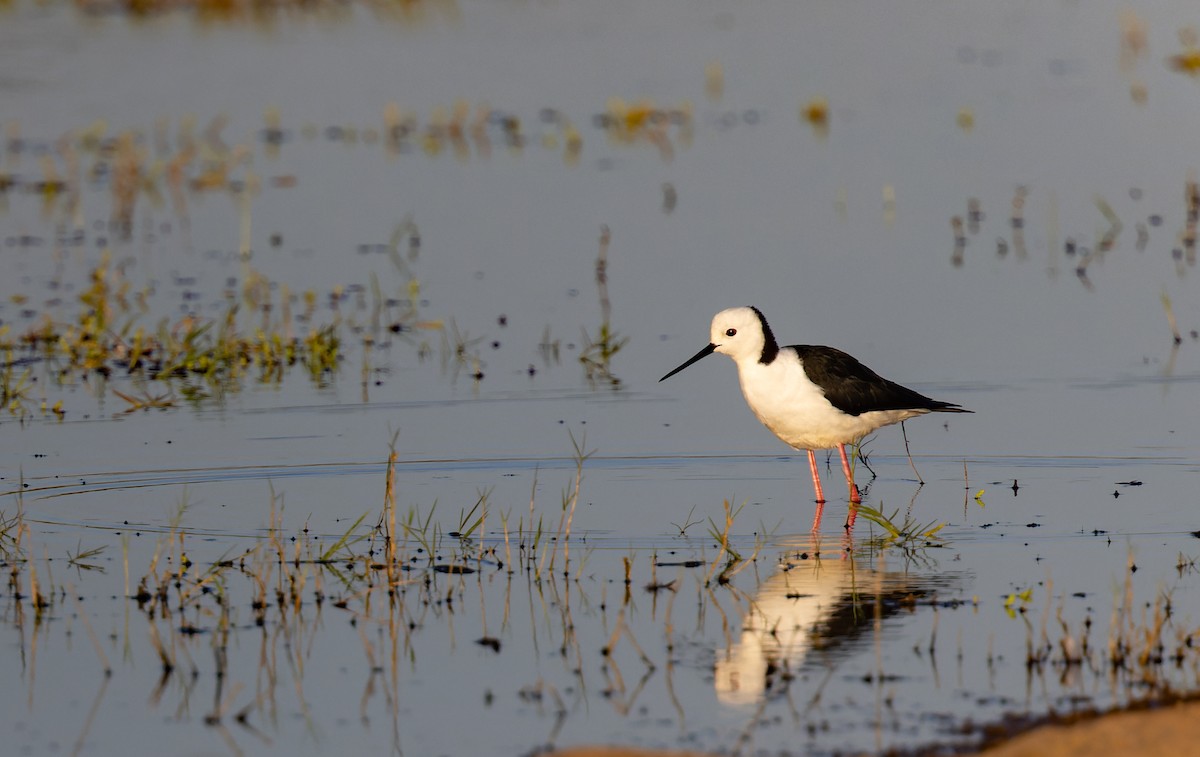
x,y
795,409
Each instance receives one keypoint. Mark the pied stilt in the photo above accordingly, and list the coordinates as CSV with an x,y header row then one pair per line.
x,y
811,397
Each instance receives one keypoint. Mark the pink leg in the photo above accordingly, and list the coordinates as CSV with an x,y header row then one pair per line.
x,y
812,463
854,496
816,528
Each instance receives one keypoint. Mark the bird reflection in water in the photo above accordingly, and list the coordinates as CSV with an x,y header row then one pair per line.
x,y
818,609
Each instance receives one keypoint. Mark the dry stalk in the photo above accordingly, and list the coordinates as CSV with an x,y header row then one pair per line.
x,y
507,547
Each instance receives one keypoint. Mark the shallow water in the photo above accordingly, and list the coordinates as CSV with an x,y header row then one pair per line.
x,y
1080,460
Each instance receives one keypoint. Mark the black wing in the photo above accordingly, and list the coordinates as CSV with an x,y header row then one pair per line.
x,y
855,389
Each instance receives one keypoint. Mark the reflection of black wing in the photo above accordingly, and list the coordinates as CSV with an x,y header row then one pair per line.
x,y
855,389
853,616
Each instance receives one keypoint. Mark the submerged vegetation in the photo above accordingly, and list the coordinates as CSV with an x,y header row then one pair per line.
x,y
194,359
121,325
197,357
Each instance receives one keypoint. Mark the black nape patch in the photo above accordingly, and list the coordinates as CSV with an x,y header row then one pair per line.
x,y
770,346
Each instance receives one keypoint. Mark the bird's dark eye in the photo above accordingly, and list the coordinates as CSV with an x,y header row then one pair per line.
x,y
730,332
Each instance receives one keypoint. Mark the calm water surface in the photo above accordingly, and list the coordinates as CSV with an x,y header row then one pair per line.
x,y
475,236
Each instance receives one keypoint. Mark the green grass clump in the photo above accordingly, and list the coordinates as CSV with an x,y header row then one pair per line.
x,y
195,357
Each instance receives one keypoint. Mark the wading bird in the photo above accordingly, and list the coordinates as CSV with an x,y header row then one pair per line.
x,y
811,397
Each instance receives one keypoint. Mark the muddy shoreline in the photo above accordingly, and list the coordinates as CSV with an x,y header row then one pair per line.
x,y
1169,728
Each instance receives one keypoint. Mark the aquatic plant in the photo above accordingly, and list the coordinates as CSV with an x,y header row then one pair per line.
x,y
15,387
909,536
598,352
734,562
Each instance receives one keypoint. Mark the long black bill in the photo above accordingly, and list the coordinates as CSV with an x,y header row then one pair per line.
x,y
701,354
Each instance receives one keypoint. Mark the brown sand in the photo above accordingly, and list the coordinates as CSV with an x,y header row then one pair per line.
x,y
1172,730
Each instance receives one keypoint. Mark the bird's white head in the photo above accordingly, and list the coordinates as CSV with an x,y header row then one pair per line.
x,y
740,333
